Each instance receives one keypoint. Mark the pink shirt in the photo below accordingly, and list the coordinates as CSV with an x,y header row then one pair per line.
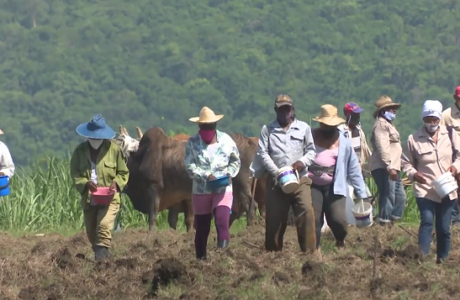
x,y
324,158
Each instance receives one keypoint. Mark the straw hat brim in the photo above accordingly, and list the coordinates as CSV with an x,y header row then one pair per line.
x,y
211,120
330,121
398,105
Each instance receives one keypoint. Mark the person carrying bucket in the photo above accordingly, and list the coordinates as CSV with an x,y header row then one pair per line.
x,y
352,130
335,165
451,119
285,151
96,164
211,160
432,155
385,162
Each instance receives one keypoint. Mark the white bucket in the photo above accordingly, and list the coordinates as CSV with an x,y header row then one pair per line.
x,y
288,179
445,184
362,212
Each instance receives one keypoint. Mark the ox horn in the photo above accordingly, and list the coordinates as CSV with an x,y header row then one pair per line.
x,y
125,131
139,133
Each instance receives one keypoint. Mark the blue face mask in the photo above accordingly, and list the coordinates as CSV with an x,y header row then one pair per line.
x,y
389,116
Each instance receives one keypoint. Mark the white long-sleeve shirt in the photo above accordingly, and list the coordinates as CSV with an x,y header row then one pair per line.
x,y
6,161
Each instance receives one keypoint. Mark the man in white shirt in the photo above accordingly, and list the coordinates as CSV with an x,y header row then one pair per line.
x,y
6,162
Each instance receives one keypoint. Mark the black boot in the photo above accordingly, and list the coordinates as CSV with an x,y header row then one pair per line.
x,y
101,253
201,255
222,243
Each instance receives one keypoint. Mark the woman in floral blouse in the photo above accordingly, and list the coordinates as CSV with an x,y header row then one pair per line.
x,y
210,154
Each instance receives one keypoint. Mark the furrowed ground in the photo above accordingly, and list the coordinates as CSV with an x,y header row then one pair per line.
x,y
162,266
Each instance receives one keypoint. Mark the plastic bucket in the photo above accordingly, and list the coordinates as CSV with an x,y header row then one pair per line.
x,y
4,186
103,196
445,184
288,180
362,212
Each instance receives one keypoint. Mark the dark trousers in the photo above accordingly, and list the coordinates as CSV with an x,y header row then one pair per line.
x,y
440,214
392,197
325,202
455,213
203,228
277,209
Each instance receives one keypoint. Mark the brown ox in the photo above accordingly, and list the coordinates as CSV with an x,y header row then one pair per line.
x,y
157,171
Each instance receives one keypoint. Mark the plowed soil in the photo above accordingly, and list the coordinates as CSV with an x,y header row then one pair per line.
x,y
162,265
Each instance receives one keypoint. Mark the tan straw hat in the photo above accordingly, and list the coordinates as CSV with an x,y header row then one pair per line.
x,y
1,132
329,116
206,116
383,102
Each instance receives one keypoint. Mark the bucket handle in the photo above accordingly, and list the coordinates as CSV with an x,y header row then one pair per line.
x,y
297,174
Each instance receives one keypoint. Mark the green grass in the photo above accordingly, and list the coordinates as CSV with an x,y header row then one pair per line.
x,y
43,199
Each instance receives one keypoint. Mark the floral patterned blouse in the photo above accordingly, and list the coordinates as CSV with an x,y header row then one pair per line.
x,y
200,162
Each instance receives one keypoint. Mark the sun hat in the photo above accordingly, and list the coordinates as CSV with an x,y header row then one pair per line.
x,y
329,116
282,100
96,129
383,102
206,116
352,108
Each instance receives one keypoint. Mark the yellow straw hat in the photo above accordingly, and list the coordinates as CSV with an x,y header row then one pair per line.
x,y
206,116
329,116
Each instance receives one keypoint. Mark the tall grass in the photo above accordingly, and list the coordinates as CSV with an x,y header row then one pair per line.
x,y
43,199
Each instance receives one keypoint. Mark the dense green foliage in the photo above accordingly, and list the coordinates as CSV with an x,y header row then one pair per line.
x,y
43,199
157,62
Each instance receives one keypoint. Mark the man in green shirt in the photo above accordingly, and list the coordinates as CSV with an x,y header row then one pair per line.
x,y
96,163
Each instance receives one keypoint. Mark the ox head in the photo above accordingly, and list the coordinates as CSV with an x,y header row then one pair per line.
x,y
128,144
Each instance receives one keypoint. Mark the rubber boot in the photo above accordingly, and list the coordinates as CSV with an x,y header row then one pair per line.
x,y
201,255
222,244
101,253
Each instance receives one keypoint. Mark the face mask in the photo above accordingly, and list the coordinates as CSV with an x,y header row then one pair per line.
x,y
207,135
95,144
389,116
431,128
328,133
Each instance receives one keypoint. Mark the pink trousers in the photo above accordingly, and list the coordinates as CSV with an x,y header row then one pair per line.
x,y
205,204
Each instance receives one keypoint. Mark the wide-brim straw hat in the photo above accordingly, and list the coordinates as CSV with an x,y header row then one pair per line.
x,y
206,116
329,116
384,102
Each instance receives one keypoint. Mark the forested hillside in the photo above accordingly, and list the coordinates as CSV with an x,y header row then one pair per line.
x,y
157,62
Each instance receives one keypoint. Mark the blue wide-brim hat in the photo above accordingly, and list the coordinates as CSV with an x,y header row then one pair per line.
x,y
96,129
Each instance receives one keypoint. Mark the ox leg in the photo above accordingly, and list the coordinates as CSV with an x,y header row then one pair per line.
x,y
250,213
154,207
173,216
189,217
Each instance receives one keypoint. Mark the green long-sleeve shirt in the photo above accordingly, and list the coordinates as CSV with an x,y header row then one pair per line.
x,y
110,166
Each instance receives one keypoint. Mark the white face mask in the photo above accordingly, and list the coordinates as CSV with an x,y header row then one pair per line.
x,y
431,128
95,144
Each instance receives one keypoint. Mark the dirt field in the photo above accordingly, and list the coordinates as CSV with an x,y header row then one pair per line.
x,y
162,266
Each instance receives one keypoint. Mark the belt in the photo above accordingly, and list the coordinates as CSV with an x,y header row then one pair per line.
x,y
319,170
